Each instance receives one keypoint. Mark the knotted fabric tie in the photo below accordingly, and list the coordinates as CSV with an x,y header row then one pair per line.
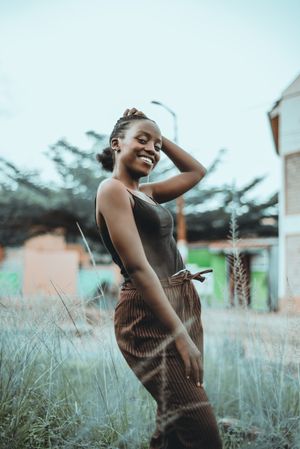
x,y
183,276
187,275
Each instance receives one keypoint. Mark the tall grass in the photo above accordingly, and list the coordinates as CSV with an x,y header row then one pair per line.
x,y
263,391
62,387
65,384
256,380
59,390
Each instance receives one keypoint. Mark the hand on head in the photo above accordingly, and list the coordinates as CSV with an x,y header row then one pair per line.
x,y
133,111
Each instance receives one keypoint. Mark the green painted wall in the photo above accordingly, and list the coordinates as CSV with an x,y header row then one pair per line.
x,y
200,257
204,258
218,264
259,290
10,283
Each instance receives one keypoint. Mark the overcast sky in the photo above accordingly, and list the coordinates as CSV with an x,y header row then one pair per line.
x,y
69,66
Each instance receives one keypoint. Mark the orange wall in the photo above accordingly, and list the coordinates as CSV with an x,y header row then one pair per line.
x,y
42,268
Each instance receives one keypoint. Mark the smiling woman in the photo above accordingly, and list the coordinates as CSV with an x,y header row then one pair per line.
x,y
158,315
142,133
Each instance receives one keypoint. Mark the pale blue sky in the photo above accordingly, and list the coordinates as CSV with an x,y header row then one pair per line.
x,y
70,66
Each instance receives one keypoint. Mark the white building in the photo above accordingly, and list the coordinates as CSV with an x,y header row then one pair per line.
x,y
285,124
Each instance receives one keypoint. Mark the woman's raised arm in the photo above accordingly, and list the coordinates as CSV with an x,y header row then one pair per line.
x,y
192,171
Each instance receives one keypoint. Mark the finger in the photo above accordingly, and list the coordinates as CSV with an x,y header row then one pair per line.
x,y
196,371
132,111
200,367
187,365
125,112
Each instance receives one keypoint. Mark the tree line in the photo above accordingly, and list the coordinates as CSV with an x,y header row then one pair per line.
x,y
31,206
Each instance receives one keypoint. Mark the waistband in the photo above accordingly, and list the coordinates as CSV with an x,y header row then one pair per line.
x,y
180,277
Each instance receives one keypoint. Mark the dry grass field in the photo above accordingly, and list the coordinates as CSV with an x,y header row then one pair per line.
x,y
64,383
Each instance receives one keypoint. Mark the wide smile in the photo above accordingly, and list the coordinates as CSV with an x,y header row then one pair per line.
x,y
147,160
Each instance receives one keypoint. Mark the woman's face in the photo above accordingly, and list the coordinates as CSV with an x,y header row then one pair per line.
x,y
140,147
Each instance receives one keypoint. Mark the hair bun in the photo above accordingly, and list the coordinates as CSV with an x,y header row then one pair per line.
x,y
106,159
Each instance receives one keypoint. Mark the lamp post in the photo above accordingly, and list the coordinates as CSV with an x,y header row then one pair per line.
x,y
174,118
180,219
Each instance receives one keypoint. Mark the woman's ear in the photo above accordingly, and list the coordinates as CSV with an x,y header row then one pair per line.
x,y
115,143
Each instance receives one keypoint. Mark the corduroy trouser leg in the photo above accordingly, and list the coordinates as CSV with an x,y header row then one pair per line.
x,y
185,418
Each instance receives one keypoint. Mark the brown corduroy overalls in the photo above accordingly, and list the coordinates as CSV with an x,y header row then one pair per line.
x,y
185,418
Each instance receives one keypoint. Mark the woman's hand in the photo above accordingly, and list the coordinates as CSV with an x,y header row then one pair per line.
x,y
191,357
133,111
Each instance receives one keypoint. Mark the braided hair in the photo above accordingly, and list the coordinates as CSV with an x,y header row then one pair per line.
x,y
107,156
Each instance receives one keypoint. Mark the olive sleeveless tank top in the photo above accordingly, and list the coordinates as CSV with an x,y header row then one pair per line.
x,y
155,226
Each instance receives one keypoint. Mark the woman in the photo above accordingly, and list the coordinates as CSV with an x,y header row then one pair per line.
x,y
158,315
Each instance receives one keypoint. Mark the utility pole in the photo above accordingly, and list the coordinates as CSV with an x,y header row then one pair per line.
x,y
180,218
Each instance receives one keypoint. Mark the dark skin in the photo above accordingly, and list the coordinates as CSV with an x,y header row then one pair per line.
x,y
114,205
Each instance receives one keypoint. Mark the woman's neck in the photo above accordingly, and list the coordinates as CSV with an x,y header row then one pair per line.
x,y
132,184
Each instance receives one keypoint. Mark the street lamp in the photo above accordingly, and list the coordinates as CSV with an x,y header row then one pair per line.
x,y
174,118
180,219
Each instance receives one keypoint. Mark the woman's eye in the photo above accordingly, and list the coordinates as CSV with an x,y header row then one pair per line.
x,y
143,142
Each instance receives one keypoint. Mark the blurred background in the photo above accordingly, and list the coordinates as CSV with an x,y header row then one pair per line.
x,y
220,78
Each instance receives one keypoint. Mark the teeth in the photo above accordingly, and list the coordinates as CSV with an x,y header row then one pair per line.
x,y
147,160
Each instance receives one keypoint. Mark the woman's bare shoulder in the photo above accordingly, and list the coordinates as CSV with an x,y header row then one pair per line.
x,y
110,184
111,192
109,188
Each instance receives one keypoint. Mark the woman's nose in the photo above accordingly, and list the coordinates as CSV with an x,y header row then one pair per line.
x,y
150,148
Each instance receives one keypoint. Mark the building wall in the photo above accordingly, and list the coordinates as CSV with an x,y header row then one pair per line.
x,y
50,272
200,257
273,278
289,198
292,183
292,245
218,264
289,125
47,266
261,275
11,272
259,280
213,289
